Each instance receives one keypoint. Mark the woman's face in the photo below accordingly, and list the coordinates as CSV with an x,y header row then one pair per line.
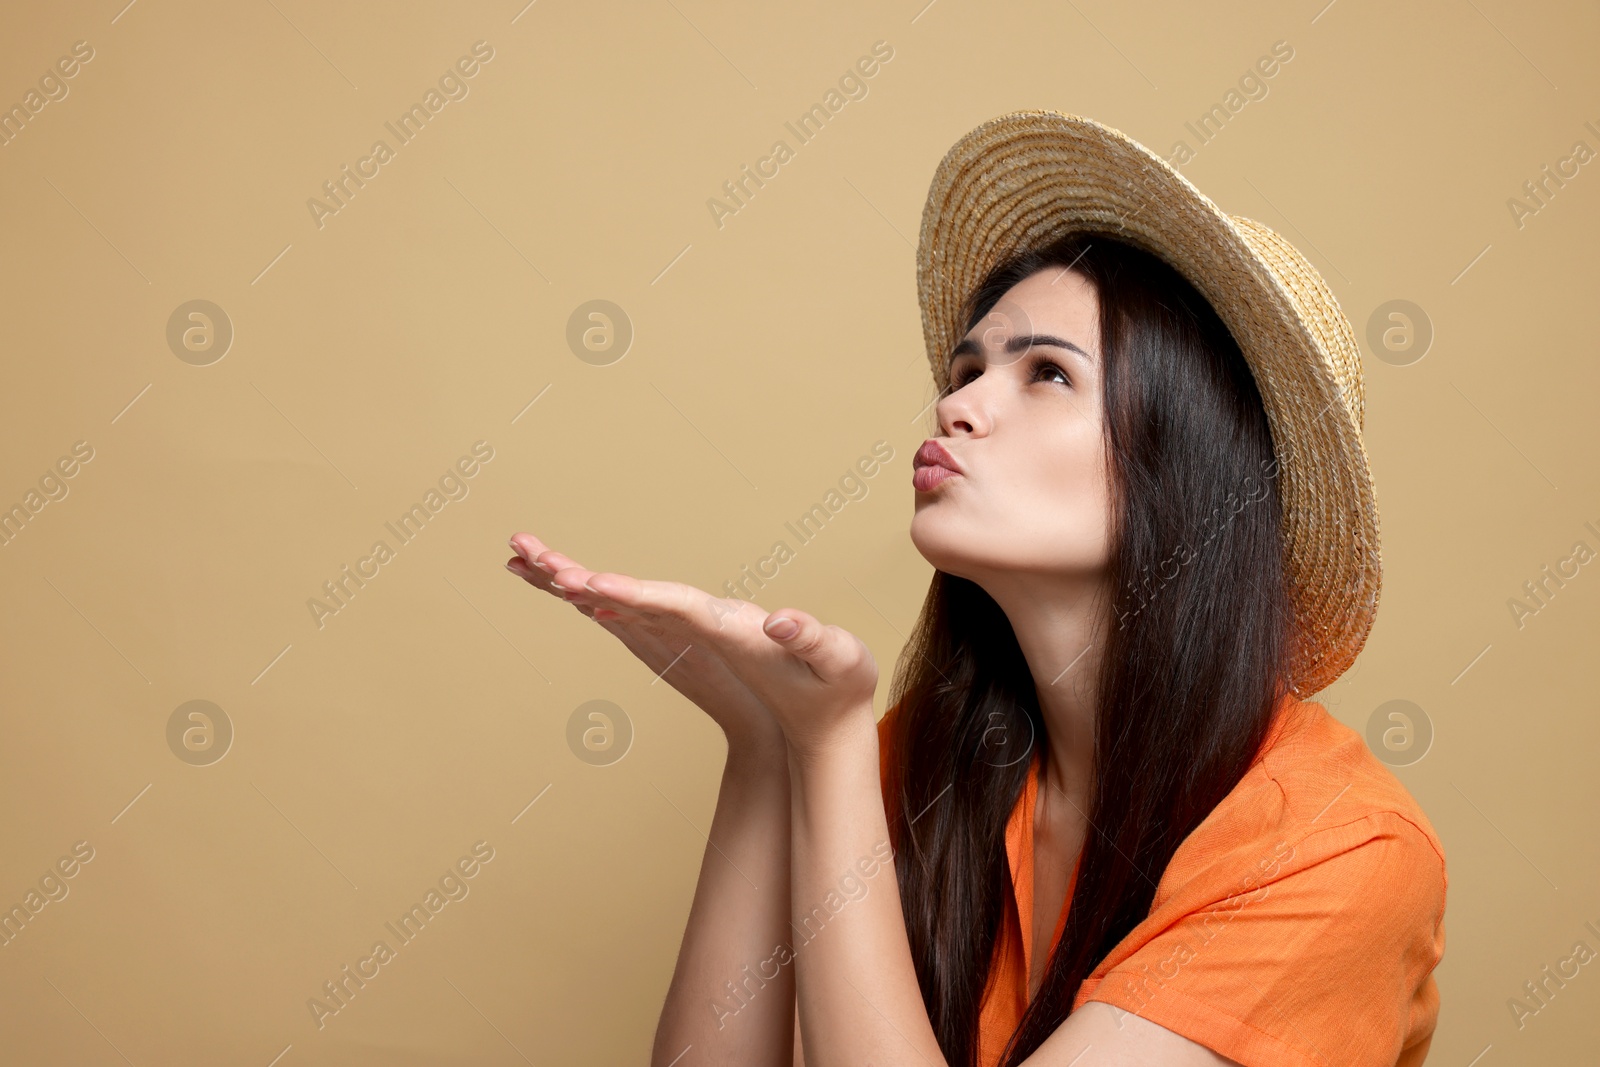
x,y
1023,421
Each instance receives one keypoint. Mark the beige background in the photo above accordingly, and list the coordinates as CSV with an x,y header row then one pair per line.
x,y
768,355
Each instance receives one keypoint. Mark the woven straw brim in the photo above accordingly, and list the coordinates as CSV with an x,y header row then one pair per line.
x,y
1021,180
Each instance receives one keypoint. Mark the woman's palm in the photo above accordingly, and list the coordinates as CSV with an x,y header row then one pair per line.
x,y
699,672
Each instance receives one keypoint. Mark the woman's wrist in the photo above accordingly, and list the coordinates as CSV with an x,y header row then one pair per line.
x,y
756,746
848,741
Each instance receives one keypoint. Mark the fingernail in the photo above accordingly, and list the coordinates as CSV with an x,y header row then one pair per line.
x,y
557,585
512,569
782,627
543,566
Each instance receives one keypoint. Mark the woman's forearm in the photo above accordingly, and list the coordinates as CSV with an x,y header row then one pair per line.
x,y
732,995
858,996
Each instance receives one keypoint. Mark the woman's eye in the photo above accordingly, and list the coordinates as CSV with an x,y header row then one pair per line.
x,y
1041,367
1046,367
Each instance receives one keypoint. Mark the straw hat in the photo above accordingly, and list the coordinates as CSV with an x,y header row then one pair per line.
x,y
1021,180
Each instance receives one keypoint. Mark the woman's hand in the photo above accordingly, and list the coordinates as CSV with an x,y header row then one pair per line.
x,y
811,678
693,671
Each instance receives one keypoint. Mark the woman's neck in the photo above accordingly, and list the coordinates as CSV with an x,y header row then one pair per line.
x,y
1059,623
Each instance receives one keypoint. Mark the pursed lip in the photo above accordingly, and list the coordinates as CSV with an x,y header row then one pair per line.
x,y
933,454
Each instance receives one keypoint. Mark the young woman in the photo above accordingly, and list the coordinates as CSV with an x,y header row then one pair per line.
x,y
1118,834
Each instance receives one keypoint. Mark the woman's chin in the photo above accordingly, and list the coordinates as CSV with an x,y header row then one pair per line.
x,y
941,545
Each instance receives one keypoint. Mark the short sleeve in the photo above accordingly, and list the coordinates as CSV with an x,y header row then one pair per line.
x,y
1325,958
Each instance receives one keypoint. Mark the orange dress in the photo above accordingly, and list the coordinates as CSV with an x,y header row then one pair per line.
x,y
1297,926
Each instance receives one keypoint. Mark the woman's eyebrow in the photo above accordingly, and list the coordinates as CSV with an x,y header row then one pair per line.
x,y
1020,343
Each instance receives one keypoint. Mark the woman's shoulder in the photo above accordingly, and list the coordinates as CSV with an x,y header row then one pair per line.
x,y
1313,891
1317,791
1329,777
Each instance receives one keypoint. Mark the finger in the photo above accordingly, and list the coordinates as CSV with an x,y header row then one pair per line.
x,y
831,652
570,579
683,605
688,613
551,561
519,566
538,554
569,583
541,579
526,545
649,642
538,564
536,578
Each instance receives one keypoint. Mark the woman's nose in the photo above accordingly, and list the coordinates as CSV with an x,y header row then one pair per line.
x,y
966,409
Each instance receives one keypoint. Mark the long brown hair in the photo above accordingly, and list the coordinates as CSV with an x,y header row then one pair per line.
x,y
1195,657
